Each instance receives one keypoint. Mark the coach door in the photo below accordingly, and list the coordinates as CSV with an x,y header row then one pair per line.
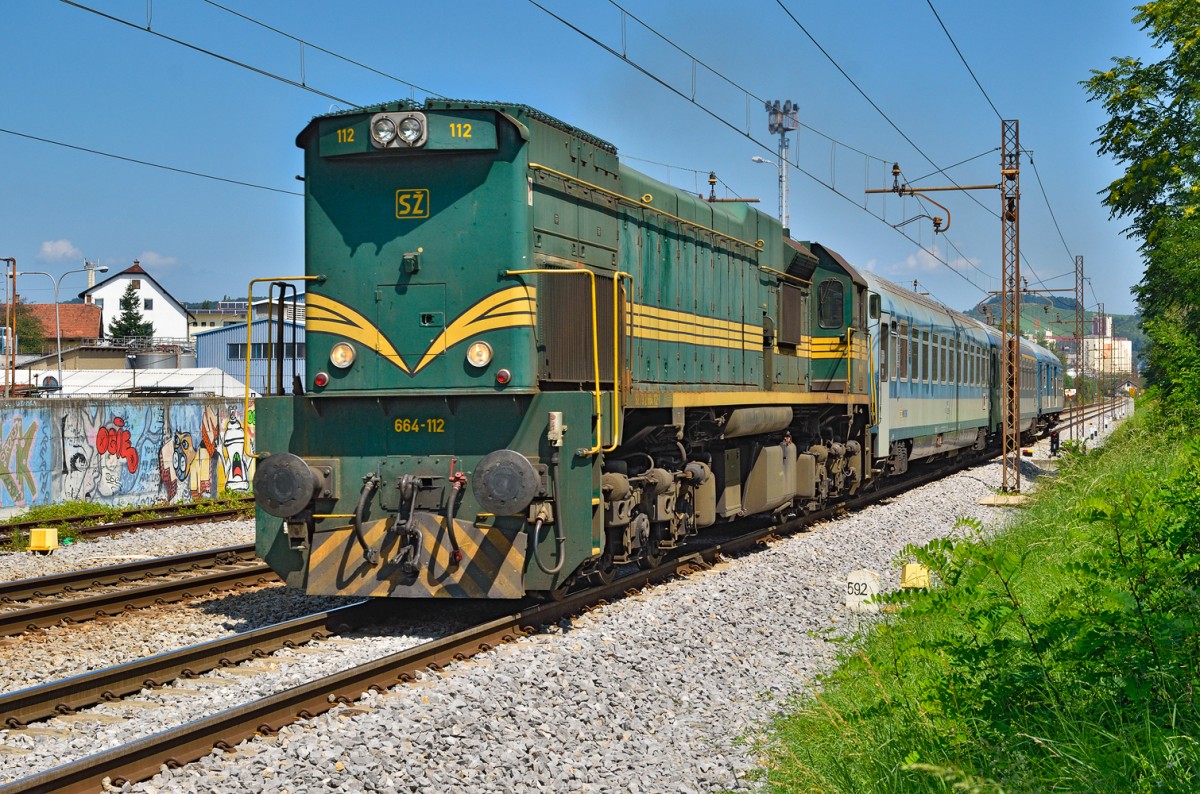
x,y
883,378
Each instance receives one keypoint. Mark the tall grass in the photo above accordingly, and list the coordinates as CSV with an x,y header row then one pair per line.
x,y
1061,655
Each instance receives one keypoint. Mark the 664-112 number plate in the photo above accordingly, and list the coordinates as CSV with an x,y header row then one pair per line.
x,y
416,425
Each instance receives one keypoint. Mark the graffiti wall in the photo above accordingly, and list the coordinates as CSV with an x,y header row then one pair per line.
x,y
122,452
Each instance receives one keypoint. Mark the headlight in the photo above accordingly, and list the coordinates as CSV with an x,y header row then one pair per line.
x,y
342,355
479,354
411,130
383,130
399,130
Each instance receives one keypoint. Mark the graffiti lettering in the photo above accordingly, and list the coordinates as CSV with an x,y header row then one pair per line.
x,y
15,451
115,441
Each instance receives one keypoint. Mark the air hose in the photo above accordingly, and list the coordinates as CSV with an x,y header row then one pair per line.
x,y
560,540
457,481
370,485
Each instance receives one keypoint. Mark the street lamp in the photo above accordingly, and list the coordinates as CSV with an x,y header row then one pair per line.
x,y
783,210
57,316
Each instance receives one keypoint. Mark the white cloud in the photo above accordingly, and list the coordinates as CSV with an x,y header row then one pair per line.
x,y
59,251
927,261
152,260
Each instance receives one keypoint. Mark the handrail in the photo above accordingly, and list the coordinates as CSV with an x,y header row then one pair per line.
x,y
785,275
250,341
598,423
849,359
757,245
617,361
872,381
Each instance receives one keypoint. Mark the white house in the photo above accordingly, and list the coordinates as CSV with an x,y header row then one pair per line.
x,y
169,317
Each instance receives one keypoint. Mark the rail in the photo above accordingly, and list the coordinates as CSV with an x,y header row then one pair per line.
x,y
143,758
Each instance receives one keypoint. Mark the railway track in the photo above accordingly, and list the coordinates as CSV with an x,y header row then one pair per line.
x,y
143,757
191,575
159,516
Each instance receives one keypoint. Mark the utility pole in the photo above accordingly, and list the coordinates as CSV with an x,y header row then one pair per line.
x,y
1078,338
781,121
10,329
1100,362
1010,280
1010,303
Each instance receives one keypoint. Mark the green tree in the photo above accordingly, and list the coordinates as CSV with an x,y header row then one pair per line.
x,y
1152,132
1153,110
30,334
130,323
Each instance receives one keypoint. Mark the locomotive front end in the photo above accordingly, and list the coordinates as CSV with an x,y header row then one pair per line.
x,y
423,459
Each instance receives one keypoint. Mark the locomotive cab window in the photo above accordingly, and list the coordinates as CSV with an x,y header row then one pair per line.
x,y
831,304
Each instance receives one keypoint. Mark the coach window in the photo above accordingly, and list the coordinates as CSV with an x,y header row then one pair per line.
x,y
902,359
945,356
831,304
934,338
925,357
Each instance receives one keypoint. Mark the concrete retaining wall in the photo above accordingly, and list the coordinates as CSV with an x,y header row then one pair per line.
x,y
122,452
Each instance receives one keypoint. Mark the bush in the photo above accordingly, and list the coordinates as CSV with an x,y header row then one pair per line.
x,y
1061,655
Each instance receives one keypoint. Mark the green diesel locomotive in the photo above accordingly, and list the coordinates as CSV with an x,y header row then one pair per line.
x,y
528,363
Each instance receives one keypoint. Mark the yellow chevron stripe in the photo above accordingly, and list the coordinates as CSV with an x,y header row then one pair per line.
x,y
509,308
325,315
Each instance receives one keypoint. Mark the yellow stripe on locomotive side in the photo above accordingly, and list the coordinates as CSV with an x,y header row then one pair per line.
x,y
667,325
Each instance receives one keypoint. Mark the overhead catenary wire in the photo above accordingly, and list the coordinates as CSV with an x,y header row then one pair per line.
x,y
884,115
722,120
1028,153
729,80
963,58
123,158
328,52
210,53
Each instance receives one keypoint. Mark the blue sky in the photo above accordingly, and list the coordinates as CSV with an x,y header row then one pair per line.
x,y
74,77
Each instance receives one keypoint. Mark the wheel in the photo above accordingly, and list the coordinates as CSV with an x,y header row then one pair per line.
x,y
652,552
606,574
557,594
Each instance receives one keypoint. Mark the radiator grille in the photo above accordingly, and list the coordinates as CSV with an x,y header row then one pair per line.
x,y
565,328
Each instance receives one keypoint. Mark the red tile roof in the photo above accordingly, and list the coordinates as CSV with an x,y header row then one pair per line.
x,y
78,320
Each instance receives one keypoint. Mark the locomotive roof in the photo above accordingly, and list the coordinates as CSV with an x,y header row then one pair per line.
x,y
510,108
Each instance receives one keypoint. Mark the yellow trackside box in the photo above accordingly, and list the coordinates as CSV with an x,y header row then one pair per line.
x,y
43,539
914,576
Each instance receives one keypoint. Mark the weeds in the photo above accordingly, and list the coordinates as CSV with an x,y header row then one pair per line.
x,y
1062,654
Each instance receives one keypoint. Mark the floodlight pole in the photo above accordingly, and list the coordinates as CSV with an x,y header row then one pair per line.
x,y
782,119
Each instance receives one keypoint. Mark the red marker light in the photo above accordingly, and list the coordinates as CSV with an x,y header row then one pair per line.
x,y
321,380
503,377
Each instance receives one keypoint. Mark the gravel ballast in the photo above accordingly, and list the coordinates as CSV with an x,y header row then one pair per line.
x,y
658,692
